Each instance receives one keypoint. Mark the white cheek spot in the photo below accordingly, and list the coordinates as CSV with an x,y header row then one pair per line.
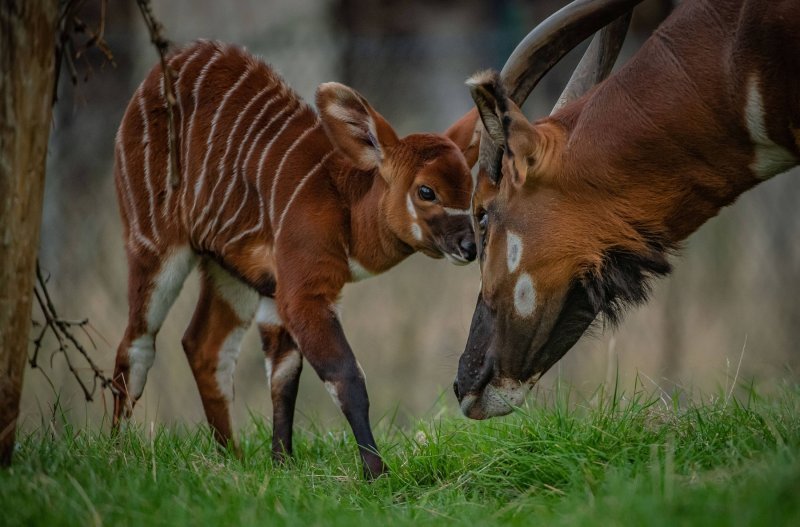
x,y
513,251
267,314
141,356
524,295
357,271
416,231
334,394
412,211
770,158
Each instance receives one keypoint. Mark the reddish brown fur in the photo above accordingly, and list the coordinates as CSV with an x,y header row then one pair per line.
x,y
630,170
269,204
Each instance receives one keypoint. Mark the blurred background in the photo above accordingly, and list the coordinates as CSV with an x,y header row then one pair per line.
x,y
734,292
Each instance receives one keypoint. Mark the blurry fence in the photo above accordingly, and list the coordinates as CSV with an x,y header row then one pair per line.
x,y
737,278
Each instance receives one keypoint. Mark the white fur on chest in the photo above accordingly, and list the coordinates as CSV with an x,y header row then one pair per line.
x,y
357,271
770,158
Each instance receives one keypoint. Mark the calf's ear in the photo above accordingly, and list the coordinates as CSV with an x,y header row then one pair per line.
x,y
353,126
466,134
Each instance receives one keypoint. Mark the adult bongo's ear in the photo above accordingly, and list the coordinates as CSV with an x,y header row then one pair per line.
x,y
353,126
491,101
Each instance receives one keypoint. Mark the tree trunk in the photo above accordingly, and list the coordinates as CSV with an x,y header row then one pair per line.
x,y
27,43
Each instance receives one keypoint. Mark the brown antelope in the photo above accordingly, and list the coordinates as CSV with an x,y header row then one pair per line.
x,y
281,207
578,211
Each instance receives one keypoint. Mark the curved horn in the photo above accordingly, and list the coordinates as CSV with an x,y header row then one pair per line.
x,y
548,42
597,62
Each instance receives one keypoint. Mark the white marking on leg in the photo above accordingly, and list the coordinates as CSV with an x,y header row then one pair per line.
x,y
334,394
361,371
276,176
412,210
524,295
770,158
148,183
513,251
226,362
168,284
416,231
286,369
268,368
357,271
210,139
141,355
239,296
267,314
456,212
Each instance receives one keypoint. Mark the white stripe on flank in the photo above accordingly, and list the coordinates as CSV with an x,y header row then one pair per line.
x,y
186,64
196,94
455,212
134,225
221,168
258,188
277,229
148,183
214,120
238,170
276,176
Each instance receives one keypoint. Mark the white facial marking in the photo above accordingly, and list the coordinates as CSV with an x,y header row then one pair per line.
x,y
267,314
357,271
286,369
513,251
412,211
226,362
334,394
524,295
141,355
770,158
456,259
416,231
240,297
456,212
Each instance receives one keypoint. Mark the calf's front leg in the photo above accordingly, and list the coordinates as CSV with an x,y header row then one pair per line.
x,y
320,337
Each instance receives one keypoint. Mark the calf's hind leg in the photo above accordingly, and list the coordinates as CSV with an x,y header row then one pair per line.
x,y
212,343
283,364
154,282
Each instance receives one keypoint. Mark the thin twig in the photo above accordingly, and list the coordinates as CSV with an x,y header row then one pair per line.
x,y
62,330
156,30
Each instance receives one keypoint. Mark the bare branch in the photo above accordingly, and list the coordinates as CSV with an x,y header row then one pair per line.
x,y
161,44
62,330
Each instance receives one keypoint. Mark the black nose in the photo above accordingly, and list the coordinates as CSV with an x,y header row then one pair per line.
x,y
468,248
455,389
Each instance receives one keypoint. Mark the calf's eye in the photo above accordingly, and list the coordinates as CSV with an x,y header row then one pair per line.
x,y
426,193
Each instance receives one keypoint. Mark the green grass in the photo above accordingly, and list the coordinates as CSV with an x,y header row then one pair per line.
x,y
616,460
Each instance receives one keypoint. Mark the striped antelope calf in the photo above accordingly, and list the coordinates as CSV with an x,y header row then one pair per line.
x,y
580,210
281,207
